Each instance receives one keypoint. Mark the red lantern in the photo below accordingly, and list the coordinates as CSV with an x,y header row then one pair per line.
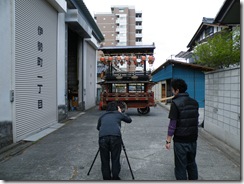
x,y
127,58
110,58
118,58
151,59
143,58
102,59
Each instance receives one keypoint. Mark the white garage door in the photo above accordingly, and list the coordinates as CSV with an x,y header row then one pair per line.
x,y
35,67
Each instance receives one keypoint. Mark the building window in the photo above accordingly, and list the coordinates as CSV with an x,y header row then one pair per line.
x,y
121,10
118,88
209,31
138,15
138,39
136,88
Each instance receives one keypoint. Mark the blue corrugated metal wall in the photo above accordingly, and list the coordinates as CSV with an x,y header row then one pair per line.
x,y
163,74
195,80
200,88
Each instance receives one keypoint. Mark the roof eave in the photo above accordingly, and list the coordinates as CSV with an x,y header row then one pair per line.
x,y
229,13
179,63
80,5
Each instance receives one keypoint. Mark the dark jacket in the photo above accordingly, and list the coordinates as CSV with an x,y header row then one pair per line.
x,y
110,123
187,121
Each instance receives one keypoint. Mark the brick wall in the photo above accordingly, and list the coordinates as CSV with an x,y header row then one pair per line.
x,y
222,105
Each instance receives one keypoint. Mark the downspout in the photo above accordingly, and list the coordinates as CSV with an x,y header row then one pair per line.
x,y
66,71
82,78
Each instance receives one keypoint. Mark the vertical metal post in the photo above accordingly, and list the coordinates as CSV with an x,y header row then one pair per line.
x,y
93,162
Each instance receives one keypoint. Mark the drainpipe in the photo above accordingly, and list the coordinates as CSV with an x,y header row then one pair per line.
x,y
66,71
82,78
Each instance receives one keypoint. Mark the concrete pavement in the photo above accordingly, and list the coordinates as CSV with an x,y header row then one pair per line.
x,y
67,153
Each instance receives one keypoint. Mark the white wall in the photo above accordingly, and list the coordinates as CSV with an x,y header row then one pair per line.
x,y
61,68
157,89
61,60
222,105
6,61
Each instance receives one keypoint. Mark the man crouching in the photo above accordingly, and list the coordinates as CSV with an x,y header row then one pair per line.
x,y
110,142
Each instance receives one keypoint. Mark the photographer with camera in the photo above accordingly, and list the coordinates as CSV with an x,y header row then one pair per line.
x,y
110,141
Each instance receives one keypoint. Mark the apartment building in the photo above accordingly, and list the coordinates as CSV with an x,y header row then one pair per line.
x,y
121,27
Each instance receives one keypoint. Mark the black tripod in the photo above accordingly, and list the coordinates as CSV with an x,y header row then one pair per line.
x,y
123,146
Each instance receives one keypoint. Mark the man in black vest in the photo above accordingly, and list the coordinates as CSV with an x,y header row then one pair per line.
x,y
110,142
183,127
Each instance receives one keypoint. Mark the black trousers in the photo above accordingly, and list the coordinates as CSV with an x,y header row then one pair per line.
x,y
185,164
110,147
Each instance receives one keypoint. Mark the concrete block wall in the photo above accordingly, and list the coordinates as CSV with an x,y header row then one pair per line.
x,y
222,116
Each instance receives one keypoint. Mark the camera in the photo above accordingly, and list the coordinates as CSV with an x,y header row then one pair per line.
x,y
122,105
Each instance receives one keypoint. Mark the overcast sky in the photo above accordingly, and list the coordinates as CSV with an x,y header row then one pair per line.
x,y
170,24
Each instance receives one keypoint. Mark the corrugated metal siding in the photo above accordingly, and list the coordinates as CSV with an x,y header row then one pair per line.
x,y
163,74
35,66
200,88
195,82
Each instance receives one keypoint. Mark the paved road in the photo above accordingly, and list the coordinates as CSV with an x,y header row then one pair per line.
x,y
67,153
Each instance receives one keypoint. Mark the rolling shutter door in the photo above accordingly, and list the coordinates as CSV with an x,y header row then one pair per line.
x,y
35,66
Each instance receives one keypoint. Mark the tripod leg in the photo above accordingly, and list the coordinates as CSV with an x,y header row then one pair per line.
x,y
123,146
93,162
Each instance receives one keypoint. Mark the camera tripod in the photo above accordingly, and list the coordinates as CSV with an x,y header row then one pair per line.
x,y
123,146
